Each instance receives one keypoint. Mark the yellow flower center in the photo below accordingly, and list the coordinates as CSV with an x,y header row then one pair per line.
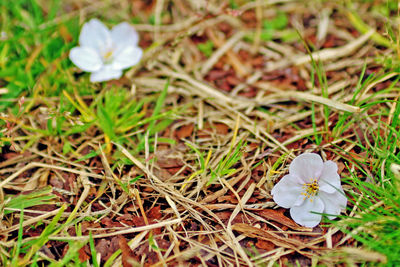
x,y
310,189
107,56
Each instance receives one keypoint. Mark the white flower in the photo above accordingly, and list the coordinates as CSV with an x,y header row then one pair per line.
x,y
106,53
311,186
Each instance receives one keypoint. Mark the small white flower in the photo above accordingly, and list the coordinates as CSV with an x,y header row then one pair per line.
x,y
311,186
106,53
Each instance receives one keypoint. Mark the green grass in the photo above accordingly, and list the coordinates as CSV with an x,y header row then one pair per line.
x,y
36,198
26,252
34,64
34,54
206,48
375,180
377,190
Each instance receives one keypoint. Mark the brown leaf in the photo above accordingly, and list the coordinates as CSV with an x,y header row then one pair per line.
x,y
127,253
162,174
185,131
108,222
131,220
233,80
221,128
169,162
154,213
278,216
173,171
216,75
249,92
263,244
223,215
250,19
228,198
83,256
56,182
113,246
258,62
170,158
103,247
276,239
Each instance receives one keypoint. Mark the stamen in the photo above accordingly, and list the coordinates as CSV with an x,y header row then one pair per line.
x,y
107,57
310,189
108,54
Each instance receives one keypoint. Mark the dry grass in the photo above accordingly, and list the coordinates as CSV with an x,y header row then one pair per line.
x,y
253,93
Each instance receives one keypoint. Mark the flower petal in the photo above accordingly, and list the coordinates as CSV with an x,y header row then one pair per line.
x,y
287,191
307,166
334,203
86,58
329,180
127,57
302,214
123,35
105,74
95,34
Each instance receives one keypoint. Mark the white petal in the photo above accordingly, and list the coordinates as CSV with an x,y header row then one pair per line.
x,y
123,35
105,74
334,203
307,166
302,214
329,180
287,191
86,58
96,35
127,57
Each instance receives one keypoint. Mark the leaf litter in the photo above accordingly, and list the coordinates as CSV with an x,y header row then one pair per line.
x,y
190,182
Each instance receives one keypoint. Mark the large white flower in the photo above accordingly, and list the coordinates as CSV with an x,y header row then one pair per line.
x,y
106,53
311,187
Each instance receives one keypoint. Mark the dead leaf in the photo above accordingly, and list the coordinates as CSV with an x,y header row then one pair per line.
x,y
278,216
228,198
184,131
221,128
276,239
109,223
170,158
103,247
233,80
162,174
83,256
263,244
154,213
223,215
127,253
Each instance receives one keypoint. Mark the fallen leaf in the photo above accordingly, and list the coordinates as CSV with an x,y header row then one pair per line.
x,y
278,216
221,128
103,247
279,241
162,174
233,80
154,213
83,256
184,131
170,158
109,223
127,253
263,244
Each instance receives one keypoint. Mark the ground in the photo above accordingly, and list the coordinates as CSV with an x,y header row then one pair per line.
x,y
173,163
